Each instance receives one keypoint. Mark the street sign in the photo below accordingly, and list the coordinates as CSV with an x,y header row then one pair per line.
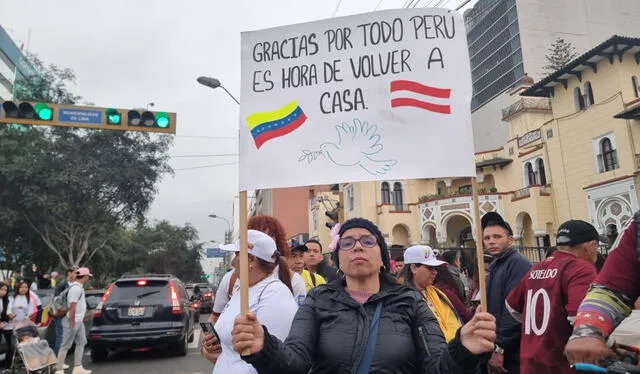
x,y
215,252
85,116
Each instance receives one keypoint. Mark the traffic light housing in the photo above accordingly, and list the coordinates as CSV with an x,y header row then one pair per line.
x,y
29,113
24,110
148,119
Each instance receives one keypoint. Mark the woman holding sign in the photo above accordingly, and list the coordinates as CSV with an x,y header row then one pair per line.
x,y
365,322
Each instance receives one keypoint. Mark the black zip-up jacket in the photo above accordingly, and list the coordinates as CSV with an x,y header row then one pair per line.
x,y
504,274
330,331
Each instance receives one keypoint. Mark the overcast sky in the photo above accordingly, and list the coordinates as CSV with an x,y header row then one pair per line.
x,y
127,53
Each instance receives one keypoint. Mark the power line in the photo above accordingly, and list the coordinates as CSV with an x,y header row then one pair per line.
x,y
206,166
378,6
216,155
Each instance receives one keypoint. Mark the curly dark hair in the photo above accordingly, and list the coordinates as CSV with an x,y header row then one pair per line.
x,y
272,227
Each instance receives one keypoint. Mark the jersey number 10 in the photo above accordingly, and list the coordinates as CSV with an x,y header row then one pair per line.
x,y
531,323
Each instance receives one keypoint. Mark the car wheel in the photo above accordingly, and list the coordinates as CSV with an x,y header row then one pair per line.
x,y
99,354
183,346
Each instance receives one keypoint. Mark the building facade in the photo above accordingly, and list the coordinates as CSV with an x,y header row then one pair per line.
x,y
572,153
289,205
509,38
13,65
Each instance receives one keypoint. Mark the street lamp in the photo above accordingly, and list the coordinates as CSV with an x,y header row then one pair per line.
x,y
215,83
227,235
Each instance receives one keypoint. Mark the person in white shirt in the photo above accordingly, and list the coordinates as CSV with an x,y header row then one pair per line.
x,y
21,307
269,298
272,227
73,324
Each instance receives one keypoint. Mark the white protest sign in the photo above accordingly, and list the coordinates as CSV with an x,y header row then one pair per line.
x,y
383,95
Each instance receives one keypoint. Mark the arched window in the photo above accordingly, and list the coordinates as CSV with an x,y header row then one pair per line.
x,y
578,99
397,195
542,176
531,175
386,193
609,155
588,95
636,86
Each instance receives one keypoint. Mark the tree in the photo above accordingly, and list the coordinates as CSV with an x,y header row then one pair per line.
x,y
75,188
162,248
559,54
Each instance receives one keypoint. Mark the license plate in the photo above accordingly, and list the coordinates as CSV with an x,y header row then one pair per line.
x,y
136,311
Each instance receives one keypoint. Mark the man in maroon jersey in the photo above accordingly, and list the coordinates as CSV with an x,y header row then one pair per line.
x,y
547,299
610,299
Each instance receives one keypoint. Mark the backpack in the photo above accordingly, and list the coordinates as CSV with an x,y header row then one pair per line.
x,y
58,307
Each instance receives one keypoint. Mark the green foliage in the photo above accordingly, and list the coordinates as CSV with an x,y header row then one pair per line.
x,y
70,191
559,54
162,248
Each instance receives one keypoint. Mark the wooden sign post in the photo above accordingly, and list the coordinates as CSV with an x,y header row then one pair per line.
x,y
479,245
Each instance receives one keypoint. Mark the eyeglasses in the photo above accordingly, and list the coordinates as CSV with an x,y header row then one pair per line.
x,y
432,268
348,243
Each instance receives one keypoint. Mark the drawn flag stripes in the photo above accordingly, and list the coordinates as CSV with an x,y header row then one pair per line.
x,y
424,99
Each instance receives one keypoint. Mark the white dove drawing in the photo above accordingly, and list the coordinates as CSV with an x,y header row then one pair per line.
x,y
356,146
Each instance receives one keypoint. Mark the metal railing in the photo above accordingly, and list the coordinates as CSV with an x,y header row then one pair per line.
x,y
534,254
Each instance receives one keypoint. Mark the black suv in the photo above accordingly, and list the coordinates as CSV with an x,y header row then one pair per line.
x,y
141,312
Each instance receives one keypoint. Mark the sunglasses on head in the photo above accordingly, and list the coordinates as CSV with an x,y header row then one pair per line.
x,y
348,243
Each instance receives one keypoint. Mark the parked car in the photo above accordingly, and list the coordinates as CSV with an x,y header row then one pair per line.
x,y
46,327
142,311
205,301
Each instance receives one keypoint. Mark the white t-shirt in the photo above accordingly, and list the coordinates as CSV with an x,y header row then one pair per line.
x,y
21,307
76,295
275,308
222,295
299,288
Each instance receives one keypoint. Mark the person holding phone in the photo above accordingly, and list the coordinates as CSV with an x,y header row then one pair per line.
x,y
269,298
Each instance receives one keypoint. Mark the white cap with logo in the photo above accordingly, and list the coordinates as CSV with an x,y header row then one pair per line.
x,y
421,254
259,244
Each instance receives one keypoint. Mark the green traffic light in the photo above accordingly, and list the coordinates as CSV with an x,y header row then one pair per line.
x,y
162,120
43,112
113,117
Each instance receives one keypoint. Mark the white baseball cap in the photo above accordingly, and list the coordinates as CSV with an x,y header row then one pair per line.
x,y
421,254
259,244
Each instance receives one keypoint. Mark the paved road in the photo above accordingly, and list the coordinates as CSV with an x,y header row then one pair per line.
x,y
159,361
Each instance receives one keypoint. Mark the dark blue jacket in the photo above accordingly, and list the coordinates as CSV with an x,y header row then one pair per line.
x,y
504,274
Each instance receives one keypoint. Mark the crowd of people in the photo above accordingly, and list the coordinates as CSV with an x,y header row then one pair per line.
x,y
20,305
360,312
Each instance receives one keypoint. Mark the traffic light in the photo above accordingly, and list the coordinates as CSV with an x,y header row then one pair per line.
x,y
146,118
205,276
113,117
227,237
29,113
26,110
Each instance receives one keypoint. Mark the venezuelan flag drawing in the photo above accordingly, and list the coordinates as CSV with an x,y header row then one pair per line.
x,y
265,126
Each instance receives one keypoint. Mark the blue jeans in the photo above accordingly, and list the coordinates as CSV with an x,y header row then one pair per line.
x,y
59,330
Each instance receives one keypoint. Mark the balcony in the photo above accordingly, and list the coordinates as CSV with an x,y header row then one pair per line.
x,y
526,192
528,103
393,208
